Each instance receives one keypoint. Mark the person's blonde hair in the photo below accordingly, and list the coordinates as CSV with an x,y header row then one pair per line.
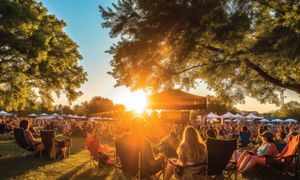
x,y
192,142
191,135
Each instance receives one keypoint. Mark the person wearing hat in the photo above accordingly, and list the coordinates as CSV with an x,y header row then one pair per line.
x,y
248,159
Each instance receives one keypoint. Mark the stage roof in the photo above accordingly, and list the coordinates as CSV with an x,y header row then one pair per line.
x,y
176,99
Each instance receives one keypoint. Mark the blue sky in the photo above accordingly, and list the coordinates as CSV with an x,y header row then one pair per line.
x,y
84,27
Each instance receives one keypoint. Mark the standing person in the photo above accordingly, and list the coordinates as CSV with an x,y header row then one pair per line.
x,y
191,151
129,148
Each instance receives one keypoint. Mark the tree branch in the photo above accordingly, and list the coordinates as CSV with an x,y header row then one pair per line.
x,y
295,86
265,3
292,86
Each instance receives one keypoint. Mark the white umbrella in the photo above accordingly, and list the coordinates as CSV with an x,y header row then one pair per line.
x,y
253,116
212,116
228,115
277,120
32,115
3,112
48,117
238,116
291,120
264,120
213,120
54,114
44,114
227,120
237,121
76,117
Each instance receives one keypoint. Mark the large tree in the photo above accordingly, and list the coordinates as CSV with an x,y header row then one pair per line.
x,y
238,47
99,104
37,58
288,110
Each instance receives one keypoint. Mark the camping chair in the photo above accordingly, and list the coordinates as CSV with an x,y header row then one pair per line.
x,y
96,152
219,155
47,136
197,171
131,165
288,160
23,143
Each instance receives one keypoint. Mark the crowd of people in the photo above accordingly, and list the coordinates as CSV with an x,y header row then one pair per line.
x,y
183,143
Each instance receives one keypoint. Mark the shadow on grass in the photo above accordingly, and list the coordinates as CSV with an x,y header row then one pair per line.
x,y
16,166
69,174
260,173
99,174
13,165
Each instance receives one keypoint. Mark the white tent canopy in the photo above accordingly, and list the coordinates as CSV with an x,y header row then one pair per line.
x,y
291,120
227,120
264,120
44,114
228,115
49,117
238,116
211,115
3,113
32,115
253,116
213,120
237,121
277,120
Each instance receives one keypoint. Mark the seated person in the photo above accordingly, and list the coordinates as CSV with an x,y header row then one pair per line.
x,y
280,141
131,146
97,151
211,133
245,137
38,145
169,144
248,159
191,152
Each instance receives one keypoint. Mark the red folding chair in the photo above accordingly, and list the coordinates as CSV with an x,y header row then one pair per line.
x,y
97,152
288,160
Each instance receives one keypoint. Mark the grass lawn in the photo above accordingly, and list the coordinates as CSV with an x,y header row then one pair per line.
x,y
77,166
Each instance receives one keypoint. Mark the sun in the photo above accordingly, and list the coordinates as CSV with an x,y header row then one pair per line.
x,y
135,101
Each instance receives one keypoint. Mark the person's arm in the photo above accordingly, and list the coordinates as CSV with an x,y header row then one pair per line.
x,y
30,136
270,151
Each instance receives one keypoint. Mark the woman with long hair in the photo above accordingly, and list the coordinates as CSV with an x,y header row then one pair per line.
x,y
191,151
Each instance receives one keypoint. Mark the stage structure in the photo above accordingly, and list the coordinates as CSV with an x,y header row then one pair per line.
x,y
177,100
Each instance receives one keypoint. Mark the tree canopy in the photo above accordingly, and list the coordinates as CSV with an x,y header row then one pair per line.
x,y
238,47
219,107
37,58
288,110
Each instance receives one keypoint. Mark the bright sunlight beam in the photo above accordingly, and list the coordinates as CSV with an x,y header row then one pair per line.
x,y
135,101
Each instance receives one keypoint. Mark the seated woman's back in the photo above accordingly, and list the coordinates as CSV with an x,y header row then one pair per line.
x,y
191,150
191,154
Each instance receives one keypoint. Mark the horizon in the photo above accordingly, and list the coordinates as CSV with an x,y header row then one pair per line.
x,y
84,27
